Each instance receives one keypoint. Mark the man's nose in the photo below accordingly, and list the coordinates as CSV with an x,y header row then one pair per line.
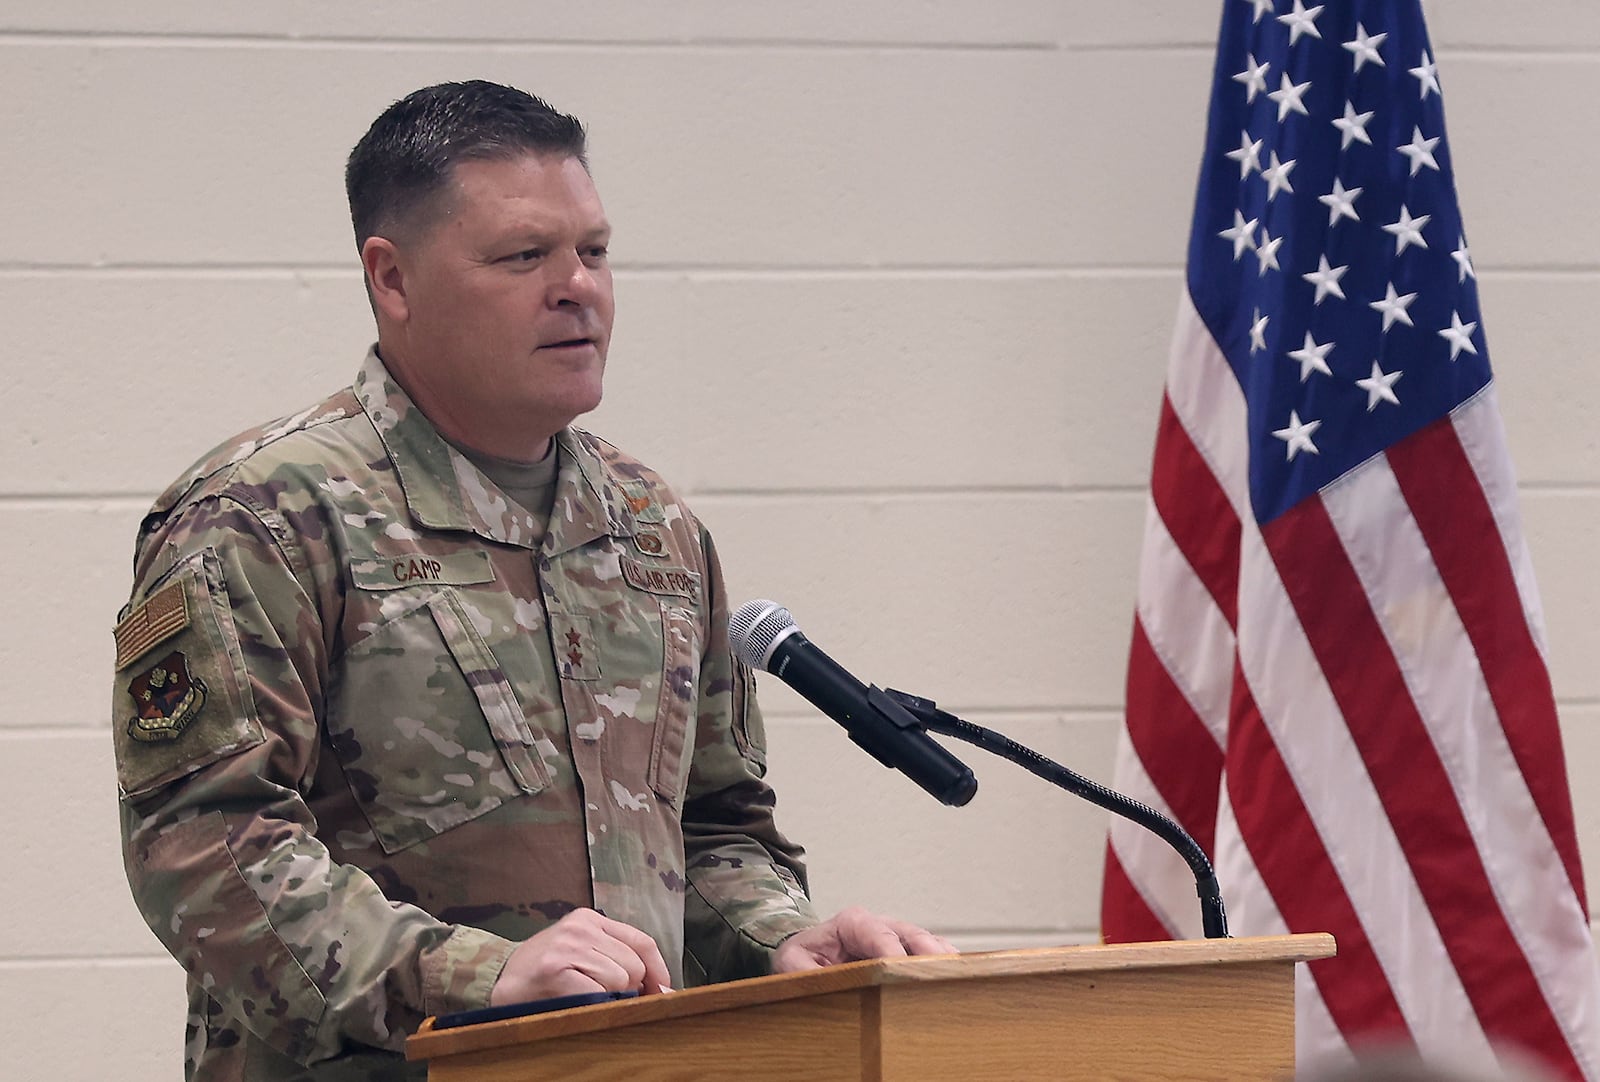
x,y
573,282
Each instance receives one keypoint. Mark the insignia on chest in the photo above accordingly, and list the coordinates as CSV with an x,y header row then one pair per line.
x,y
642,502
661,580
416,569
420,569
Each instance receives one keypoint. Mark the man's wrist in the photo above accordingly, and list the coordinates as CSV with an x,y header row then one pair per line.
x,y
460,973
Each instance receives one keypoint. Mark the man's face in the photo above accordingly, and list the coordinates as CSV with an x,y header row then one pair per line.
x,y
507,304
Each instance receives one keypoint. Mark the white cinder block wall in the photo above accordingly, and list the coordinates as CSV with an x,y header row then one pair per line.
x,y
895,282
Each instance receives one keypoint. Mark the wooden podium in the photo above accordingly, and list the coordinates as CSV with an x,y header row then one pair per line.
x,y
1196,1009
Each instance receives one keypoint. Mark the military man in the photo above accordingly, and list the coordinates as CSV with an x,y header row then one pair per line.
x,y
423,699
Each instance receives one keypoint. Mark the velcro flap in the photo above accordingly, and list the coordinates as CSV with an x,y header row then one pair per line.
x,y
182,697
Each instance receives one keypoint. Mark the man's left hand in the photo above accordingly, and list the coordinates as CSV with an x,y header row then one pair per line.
x,y
851,935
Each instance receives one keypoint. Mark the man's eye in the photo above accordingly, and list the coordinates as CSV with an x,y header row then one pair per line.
x,y
527,255
597,252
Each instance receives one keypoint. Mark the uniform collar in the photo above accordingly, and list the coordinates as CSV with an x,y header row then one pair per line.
x,y
445,491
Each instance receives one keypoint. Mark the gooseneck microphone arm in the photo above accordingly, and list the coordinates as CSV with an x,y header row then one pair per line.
x,y
892,726
1213,917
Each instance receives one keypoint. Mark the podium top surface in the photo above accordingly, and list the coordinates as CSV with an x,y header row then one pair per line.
x,y
427,1043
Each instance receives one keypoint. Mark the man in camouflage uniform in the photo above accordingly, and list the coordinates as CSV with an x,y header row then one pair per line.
x,y
423,697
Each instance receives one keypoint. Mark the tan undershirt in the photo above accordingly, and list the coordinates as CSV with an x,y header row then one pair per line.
x,y
531,485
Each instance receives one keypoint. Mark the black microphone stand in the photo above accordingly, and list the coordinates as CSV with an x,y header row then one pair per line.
x,y
1213,917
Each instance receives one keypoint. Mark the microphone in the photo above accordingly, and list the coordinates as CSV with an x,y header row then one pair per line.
x,y
764,636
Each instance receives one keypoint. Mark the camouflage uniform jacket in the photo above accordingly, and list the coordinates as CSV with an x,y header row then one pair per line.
x,y
371,731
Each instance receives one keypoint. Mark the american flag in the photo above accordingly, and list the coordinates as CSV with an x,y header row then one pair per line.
x,y
1337,680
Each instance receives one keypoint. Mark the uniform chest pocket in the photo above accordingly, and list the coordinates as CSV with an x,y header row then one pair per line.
x,y
426,726
671,744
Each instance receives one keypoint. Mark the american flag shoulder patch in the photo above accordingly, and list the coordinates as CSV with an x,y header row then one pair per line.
x,y
159,617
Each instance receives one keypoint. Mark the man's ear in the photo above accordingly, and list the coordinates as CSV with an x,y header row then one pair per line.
x,y
386,283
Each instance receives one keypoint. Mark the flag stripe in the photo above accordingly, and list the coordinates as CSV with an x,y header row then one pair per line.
x,y
1210,407
1455,517
1196,511
1289,856
1319,1045
1187,631
1134,921
1483,439
1411,781
1162,878
1190,795
1318,1040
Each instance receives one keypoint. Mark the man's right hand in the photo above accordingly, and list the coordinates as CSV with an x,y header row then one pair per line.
x,y
582,952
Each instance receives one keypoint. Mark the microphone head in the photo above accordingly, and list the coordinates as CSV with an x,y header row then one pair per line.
x,y
756,628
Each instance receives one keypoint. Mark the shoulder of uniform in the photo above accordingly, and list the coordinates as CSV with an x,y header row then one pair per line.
x,y
639,484
619,465
257,454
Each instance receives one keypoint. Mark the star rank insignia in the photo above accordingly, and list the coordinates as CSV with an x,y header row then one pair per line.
x,y
166,698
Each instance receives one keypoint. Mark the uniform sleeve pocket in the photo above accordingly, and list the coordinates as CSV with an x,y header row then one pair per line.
x,y
181,696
